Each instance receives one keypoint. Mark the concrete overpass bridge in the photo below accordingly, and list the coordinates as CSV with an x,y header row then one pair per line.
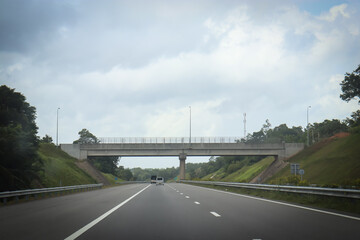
x,y
180,147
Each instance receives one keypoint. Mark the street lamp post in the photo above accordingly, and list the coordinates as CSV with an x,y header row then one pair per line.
x,y
57,126
307,126
190,125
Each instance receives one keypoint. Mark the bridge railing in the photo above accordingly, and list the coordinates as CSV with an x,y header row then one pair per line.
x,y
161,140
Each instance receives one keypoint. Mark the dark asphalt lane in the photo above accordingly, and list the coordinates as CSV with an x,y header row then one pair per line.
x,y
170,212
173,211
59,217
254,218
158,213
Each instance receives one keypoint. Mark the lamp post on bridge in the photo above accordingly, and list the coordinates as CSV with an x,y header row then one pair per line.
x,y
190,125
307,126
57,126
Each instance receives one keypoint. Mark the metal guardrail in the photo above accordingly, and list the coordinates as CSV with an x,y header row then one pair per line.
x,y
160,140
335,192
43,191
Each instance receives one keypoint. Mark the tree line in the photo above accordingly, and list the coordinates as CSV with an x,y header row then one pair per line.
x,y
19,161
317,131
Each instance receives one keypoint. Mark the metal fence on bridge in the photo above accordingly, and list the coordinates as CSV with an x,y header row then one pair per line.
x,y
161,140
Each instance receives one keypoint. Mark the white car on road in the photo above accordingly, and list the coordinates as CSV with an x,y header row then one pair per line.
x,y
159,180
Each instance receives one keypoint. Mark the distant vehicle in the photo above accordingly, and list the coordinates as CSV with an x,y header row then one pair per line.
x,y
153,179
160,181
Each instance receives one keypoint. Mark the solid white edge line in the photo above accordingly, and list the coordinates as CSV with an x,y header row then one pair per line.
x,y
215,214
285,204
97,220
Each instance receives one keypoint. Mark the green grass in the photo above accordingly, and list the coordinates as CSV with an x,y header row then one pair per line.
x,y
244,174
111,178
247,173
323,202
60,169
330,162
215,176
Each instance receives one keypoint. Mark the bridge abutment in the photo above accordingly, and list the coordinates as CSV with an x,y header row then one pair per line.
x,y
182,158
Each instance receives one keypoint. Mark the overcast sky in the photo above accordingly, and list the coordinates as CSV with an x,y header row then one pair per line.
x,y
133,68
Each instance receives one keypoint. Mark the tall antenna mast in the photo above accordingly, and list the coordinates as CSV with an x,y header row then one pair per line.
x,y
244,125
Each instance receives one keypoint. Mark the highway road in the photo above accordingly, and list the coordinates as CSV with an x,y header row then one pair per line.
x,y
171,211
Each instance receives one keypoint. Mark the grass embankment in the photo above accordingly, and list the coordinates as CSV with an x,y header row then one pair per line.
x,y
332,162
323,202
244,174
60,169
111,178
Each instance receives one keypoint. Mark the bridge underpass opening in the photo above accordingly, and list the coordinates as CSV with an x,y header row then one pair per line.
x,y
162,162
158,162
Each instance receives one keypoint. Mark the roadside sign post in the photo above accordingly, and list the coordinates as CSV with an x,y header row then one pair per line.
x,y
294,168
301,172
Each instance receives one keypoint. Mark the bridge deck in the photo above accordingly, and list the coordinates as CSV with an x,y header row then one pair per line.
x,y
175,149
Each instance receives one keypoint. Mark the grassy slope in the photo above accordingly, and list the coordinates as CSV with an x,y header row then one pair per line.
x,y
333,161
111,178
59,166
244,174
247,173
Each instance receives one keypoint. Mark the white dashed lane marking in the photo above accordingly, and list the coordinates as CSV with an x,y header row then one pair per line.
x,y
215,214
197,203
187,196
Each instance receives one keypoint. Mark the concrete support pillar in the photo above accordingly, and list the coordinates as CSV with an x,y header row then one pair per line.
x,y
182,158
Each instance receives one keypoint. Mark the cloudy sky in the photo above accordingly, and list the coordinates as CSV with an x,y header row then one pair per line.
x,y
133,68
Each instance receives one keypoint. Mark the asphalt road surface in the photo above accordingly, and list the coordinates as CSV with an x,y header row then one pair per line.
x,y
170,211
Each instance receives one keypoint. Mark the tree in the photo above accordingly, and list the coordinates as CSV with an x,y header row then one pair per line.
x,y
86,137
124,174
354,121
106,164
350,86
283,133
46,139
18,140
328,128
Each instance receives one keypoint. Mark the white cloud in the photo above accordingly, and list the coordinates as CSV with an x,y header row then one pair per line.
x,y
335,12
